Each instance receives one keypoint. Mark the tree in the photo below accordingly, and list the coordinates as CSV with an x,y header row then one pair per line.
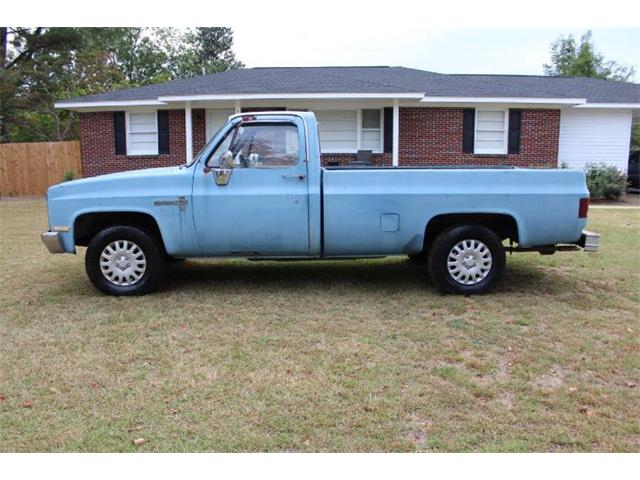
x,y
583,60
39,66
20,49
205,50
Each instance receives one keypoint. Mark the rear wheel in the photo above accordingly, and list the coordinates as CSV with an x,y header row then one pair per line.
x,y
466,259
124,260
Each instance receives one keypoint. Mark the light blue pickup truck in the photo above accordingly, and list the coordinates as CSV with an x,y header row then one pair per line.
x,y
257,190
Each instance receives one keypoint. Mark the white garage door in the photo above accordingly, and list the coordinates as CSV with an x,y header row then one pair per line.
x,y
594,136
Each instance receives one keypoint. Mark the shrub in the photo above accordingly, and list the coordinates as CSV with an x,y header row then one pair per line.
x,y
605,181
68,175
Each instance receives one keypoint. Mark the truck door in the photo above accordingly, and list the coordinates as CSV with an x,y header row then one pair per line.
x,y
254,199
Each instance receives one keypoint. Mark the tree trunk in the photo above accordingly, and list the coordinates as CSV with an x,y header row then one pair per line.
x,y
4,127
3,47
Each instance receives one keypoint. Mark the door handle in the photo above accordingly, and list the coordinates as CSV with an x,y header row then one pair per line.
x,y
299,176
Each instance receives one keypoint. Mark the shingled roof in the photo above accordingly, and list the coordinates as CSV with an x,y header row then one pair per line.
x,y
375,80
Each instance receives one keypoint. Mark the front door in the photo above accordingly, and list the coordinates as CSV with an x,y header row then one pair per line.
x,y
263,209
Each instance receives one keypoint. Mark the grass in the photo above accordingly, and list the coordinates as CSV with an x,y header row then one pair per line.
x,y
324,356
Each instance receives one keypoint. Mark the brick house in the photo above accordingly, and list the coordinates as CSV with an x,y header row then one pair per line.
x,y
405,117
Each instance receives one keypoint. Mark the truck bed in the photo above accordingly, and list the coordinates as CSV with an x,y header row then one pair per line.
x,y
385,210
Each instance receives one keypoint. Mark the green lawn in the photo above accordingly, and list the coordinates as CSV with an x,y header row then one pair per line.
x,y
335,356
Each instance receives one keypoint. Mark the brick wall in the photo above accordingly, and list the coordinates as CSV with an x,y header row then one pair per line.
x,y
433,136
428,136
97,144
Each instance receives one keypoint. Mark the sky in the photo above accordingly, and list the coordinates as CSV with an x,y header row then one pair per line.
x,y
444,50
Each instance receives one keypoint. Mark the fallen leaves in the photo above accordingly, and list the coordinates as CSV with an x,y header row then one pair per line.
x,y
138,441
587,411
2,398
27,404
630,384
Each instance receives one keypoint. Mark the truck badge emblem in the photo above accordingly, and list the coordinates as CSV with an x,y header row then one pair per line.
x,y
181,202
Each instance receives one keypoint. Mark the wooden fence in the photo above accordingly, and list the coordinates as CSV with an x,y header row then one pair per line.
x,y
30,168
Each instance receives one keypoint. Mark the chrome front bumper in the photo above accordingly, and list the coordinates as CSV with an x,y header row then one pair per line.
x,y
589,241
52,241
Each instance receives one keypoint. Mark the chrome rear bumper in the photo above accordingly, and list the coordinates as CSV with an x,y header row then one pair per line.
x,y
589,241
52,241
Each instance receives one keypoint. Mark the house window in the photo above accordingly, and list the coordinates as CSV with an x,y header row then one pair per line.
x,y
371,136
491,131
338,130
142,133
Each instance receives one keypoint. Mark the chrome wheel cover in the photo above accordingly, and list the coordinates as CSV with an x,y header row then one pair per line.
x,y
123,263
469,262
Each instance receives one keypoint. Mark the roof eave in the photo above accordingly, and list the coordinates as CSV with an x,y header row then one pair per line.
x,y
166,99
108,103
293,96
632,106
510,100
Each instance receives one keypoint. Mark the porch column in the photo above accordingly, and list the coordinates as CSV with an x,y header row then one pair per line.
x,y
396,133
238,109
188,131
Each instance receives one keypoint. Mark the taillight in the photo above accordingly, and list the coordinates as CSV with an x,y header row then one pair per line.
x,y
583,208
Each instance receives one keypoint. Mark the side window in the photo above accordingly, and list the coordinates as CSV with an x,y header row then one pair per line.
x,y
266,145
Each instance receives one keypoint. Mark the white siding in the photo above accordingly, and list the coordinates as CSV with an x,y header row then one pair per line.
x,y
594,136
338,130
215,120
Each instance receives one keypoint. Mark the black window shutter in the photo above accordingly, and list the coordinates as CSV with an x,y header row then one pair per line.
x,y
163,132
515,118
388,130
120,134
468,129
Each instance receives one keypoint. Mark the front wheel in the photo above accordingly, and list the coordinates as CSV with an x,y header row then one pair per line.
x,y
466,259
124,260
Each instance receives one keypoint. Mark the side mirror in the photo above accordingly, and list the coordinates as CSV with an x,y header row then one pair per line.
x,y
222,176
227,160
222,173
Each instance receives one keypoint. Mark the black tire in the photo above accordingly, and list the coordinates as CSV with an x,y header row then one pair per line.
x,y
174,260
443,246
421,257
153,255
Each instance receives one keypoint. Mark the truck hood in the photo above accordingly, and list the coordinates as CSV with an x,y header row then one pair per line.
x,y
113,183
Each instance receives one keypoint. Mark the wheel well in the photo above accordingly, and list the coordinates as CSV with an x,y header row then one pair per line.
x,y
503,225
88,224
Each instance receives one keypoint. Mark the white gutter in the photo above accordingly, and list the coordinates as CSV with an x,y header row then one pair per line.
x,y
111,103
163,100
609,105
529,100
290,96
